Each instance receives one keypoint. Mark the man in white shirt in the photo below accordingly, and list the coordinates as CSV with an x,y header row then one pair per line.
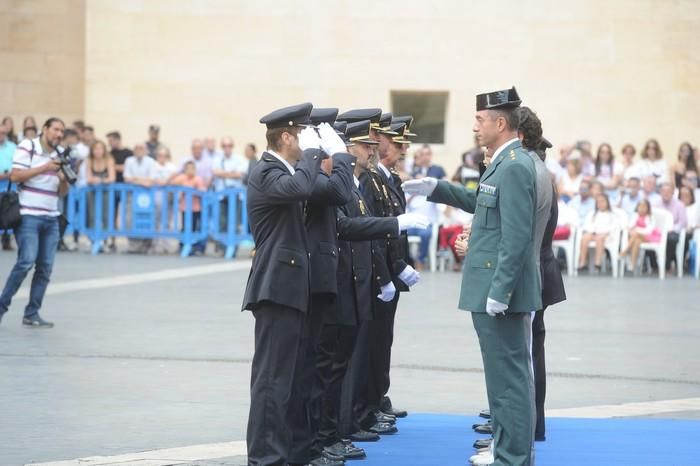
x,y
36,171
632,197
139,170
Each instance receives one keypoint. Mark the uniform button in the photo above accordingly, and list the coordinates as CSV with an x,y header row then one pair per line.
x,y
355,277
378,277
315,157
292,262
352,251
388,235
488,264
372,251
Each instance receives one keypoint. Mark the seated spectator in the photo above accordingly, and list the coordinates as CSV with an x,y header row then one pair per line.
x,y
251,155
567,220
467,174
424,165
692,212
585,149
100,171
190,179
153,143
649,190
7,152
9,125
680,221
607,170
642,229
653,163
597,228
570,180
420,204
690,180
558,167
632,197
210,149
454,224
584,202
629,165
684,164
202,163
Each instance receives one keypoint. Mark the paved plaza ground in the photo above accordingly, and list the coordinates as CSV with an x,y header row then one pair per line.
x,y
153,352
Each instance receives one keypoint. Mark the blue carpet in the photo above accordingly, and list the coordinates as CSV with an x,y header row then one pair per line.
x,y
446,440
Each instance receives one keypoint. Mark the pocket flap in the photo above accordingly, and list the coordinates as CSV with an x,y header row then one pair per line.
x,y
486,200
327,248
290,256
483,260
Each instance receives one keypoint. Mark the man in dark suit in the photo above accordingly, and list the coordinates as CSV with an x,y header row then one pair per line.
x,y
332,188
278,286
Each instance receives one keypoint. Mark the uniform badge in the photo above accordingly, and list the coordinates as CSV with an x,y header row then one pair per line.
x,y
363,209
487,189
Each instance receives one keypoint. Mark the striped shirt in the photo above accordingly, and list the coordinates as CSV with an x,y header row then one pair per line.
x,y
38,195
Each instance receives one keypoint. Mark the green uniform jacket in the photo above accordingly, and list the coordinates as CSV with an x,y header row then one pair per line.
x,y
500,263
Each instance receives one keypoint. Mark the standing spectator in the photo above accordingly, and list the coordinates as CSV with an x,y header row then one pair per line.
x,y
164,170
642,229
251,155
597,228
119,153
632,197
607,171
653,162
685,163
680,221
36,170
88,136
202,164
82,149
629,165
210,149
583,203
100,171
29,129
468,172
570,180
9,124
7,152
139,170
424,165
70,143
228,169
163,174
190,179
153,143
649,190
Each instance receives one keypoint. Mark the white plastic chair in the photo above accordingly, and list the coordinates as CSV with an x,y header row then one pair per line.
x,y
664,222
680,252
567,215
414,246
696,240
612,243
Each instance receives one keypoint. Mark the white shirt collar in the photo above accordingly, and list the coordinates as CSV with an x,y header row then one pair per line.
x,y
357,182
500,149
384,169
279,157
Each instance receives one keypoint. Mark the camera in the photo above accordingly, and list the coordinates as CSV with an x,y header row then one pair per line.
x,y
66,167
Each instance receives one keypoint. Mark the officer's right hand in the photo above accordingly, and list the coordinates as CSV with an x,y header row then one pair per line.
x,y
308,139
423,187
409,276
387,292
330,141
412,220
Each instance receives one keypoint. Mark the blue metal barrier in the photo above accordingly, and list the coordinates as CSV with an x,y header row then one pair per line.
x,y
125,210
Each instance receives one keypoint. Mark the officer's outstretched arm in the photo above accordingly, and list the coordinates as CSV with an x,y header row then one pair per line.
x,y
455,196
282,188
516,205
366,228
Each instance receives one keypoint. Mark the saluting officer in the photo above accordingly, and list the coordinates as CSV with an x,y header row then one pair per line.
x,y
332,188
501,284
278,285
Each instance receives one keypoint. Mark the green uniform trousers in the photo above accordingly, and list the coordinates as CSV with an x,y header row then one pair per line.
x,y
505,349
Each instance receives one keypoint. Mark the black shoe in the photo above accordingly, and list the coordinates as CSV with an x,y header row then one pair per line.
x,y
345,451
383,428
324,461
483,443
540,438
364,436
36,322
486,414
395,412
483,428
384,417
332,456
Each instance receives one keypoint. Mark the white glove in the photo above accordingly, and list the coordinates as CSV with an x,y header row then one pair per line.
x,y
412,220
387,293
423,187
308,139
409,276
493,307
331,143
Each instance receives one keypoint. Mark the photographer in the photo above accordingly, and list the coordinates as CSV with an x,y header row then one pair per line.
x,y
36,169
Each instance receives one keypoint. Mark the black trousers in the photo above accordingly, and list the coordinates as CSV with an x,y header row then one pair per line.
x,y
540,371
305,402
353,399
279,331
335,350
382,340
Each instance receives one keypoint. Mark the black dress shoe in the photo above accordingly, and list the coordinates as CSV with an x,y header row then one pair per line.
x,y
324,461
383,417
36,322
345,451
540,438
395,412
483,428
483,443
486,414
383,428
364,436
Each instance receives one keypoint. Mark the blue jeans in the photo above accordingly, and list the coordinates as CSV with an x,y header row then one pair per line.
x,y
37,240
424,241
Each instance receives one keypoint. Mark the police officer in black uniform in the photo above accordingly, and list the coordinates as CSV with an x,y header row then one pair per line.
x,y
332,188
278,288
